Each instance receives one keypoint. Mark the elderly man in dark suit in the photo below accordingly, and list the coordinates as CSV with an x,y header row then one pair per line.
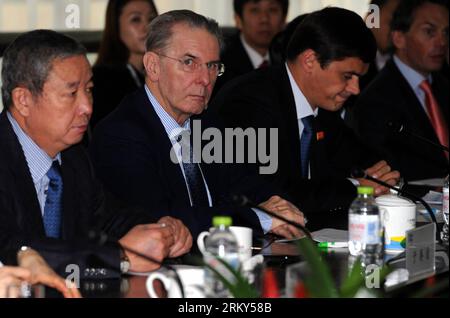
x,y
325,60
411,92
49,197
132,147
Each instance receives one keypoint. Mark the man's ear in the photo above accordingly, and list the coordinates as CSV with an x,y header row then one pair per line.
x,y
152,67
22,100
238,21
308,60
398,40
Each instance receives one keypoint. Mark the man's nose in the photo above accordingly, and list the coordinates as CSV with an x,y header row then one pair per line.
x,y
204,75
85,104
264,16
442,39
353,85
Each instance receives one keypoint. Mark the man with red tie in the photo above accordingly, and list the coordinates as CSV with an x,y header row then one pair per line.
x,y
258,21
411,92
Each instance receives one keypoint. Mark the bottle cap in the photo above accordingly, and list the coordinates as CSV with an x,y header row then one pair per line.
x,y
222,220
365,190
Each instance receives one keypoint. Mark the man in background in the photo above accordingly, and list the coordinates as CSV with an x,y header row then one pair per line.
x,y
258,22
410,92
382,35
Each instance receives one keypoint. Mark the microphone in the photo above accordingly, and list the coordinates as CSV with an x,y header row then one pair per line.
x,y
401,129
101,238
244,201
360,173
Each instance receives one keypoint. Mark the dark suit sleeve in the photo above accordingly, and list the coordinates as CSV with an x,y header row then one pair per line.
x,y
92,224
241,104
343,149
93,259
130,170
371,116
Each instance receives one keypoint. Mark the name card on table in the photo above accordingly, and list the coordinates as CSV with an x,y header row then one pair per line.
x,y
420,250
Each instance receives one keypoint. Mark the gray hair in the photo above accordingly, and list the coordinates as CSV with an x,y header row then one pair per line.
x,y
27,61
161,28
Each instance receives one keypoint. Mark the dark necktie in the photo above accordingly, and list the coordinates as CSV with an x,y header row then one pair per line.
x,y
264,64
435,114
53,203
305,144
195,182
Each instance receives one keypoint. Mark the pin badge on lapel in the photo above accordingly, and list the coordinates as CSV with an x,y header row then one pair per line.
x,y
320,135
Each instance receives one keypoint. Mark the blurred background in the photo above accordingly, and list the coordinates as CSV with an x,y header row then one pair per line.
x,y
18,16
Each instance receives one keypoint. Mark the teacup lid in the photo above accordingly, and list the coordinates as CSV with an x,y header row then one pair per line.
x,y
393,200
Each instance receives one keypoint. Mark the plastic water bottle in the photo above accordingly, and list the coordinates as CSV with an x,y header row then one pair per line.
x,y
365,228
444,234
220,244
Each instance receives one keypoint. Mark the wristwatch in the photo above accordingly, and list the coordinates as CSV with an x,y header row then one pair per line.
x,y
124,261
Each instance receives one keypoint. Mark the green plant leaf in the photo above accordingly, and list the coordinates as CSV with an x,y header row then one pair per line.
x,y
240,287
357,279
354,281
319,282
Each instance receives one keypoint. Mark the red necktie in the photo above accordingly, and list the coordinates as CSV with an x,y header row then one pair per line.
x,y
264,64
435,114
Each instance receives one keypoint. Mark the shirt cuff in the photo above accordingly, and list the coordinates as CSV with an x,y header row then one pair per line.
x,y
264,219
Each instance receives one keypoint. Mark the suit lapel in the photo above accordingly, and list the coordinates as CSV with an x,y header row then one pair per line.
x,y
415,110
70,205
29,215
289,112
241,61
169,171
440,89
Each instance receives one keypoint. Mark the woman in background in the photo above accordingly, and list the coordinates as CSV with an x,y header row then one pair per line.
x,y
119,69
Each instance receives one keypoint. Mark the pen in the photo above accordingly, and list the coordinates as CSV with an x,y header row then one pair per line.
x,y
333,244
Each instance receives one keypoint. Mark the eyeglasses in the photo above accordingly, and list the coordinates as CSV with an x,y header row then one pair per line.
x,y
190,66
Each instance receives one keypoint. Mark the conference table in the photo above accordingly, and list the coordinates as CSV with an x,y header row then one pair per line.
x,y
279,257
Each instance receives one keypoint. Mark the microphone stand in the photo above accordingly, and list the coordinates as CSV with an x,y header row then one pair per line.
x,y
400,129
359,173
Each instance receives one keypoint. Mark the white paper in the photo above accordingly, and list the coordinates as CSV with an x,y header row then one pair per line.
x,y
324,235
429,182
330,235
433,197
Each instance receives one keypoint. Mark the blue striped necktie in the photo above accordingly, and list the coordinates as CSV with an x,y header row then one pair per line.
x,y
194,178
305,144
53,203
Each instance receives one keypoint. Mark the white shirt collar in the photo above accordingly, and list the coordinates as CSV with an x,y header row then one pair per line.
x,y
254,56
173,129
39,162
413,77
381,60
302,105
